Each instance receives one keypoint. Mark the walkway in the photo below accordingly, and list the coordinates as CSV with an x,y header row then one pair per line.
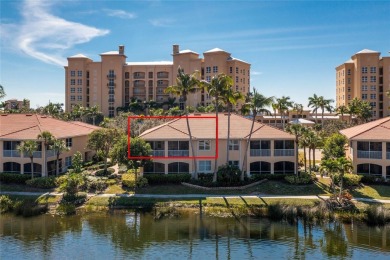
x,y
193,196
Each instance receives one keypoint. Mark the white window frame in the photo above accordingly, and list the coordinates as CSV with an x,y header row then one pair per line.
x,y
204,166
69,142
72,73
234,144
79,73
204,145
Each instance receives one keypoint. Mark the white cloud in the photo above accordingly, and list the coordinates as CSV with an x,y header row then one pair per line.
x,y
45,36
162,22
120,14
255,73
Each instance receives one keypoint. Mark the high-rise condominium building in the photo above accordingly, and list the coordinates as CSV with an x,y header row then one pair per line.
x,y
365,76
112,82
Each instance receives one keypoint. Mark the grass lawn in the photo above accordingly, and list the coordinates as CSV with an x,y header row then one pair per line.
x,y
20,187
373,192
42,199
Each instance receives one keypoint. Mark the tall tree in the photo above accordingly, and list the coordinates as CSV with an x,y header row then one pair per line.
x,y
47,139
274,108
185,85
283,104
216,88
28,147
298,131
255,104
2,92
314,103
102,141
324,104
94,112
342,110
58,146
297,108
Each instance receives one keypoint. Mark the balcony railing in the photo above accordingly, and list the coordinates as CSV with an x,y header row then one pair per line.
x,y
139,85
369,154
111,76
111,100
50,153
162,75
111,84
37,154
11,153
260,152
388,155
158,153
178,153
141,76
284,152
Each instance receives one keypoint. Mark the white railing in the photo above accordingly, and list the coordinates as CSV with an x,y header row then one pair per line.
x,y
260,152
50,153
37,154
178,153
284,152
11,153
369,154
158,153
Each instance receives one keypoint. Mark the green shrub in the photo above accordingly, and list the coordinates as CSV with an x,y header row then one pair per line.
x,y
75,199
258,177
351,179
105,173
14,178
6,204
42,182
29,208
303,178
370,179
128,180
97,185
142,182
178,178
228,175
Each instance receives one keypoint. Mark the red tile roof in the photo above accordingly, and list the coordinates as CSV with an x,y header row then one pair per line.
x,y
28,127
204,128
376,130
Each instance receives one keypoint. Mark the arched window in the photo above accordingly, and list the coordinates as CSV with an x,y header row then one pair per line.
x,y
37,168
369,168
154,167
284,167
11,167
260,168
178,167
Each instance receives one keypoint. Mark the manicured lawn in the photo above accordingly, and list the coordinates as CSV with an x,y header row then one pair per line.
x,y
20,187
42,199
373,192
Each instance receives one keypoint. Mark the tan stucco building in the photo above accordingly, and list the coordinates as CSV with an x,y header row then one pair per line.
x,y
111,82
369,147
271,150
365,76
15,128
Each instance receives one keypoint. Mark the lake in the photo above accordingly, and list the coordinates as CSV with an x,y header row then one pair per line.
x,y
132,235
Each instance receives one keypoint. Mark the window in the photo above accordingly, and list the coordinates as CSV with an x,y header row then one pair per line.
x,y
127,75
79,73
349,72
233,145
231,69
68,142
72,82
372,96
349,89
151,74
204,145
72,73
72,90
236,69
79,98
79,90
208,78
349,97
364,87
373,88
373,104
373,79
215,69
373,69
79,82
208,69
68,161
349,80
364,78
72,98
364,70
236,79
284,144
364,96
235,163
204,166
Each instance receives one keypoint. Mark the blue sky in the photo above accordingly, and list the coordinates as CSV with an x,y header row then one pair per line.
x,y
293,46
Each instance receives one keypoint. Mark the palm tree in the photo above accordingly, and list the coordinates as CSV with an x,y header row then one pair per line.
x,y
230,98
171,102
324,104
77,112
94,112
364,111
2,92
314,102
29,147
256,103
304,143
216,88
342,110
274,108
297,130
47,138
343,165
298,108
58,146
353,108
186,84
283,104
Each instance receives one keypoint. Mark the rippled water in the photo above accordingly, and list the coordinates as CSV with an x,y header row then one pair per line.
x,y
138,236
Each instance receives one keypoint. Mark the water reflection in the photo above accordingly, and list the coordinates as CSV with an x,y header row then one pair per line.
x,y
190,236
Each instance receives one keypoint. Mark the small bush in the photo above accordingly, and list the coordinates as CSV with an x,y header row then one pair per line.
x,y
14,178
128,180
97,185
228,175
351,179
105,173
42,182
370,179
258,177
142,182
154,179
303,178
75,199
6,204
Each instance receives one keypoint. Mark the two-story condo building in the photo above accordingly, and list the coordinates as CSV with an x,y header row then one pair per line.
x,y
270,150
369,147
16,128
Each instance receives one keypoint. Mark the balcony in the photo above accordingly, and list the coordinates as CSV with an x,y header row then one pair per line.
x,y
162,75
11,153
388,155
284,152
139,85
369,154
139,75
260,152
111,100
111,76
160,153
37,154
50,153
162,85
111,84
178,152
111,91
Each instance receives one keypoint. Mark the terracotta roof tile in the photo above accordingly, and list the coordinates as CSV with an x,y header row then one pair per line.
x,y
375,130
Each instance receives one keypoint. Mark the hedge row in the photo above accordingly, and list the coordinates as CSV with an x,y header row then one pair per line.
x,y
42,182
14,178
167,178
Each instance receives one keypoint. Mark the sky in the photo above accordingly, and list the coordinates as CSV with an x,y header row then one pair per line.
x,y
293,46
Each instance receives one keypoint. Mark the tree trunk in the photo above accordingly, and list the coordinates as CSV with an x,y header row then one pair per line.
x,y
32,167
296,155
322,118
244,163
316,116
304,157
215,174
192,147
282,118
228,136
341,186
309,160
57,164
314,157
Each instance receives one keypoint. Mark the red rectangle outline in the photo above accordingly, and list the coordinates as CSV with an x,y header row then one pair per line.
x,y
174,157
